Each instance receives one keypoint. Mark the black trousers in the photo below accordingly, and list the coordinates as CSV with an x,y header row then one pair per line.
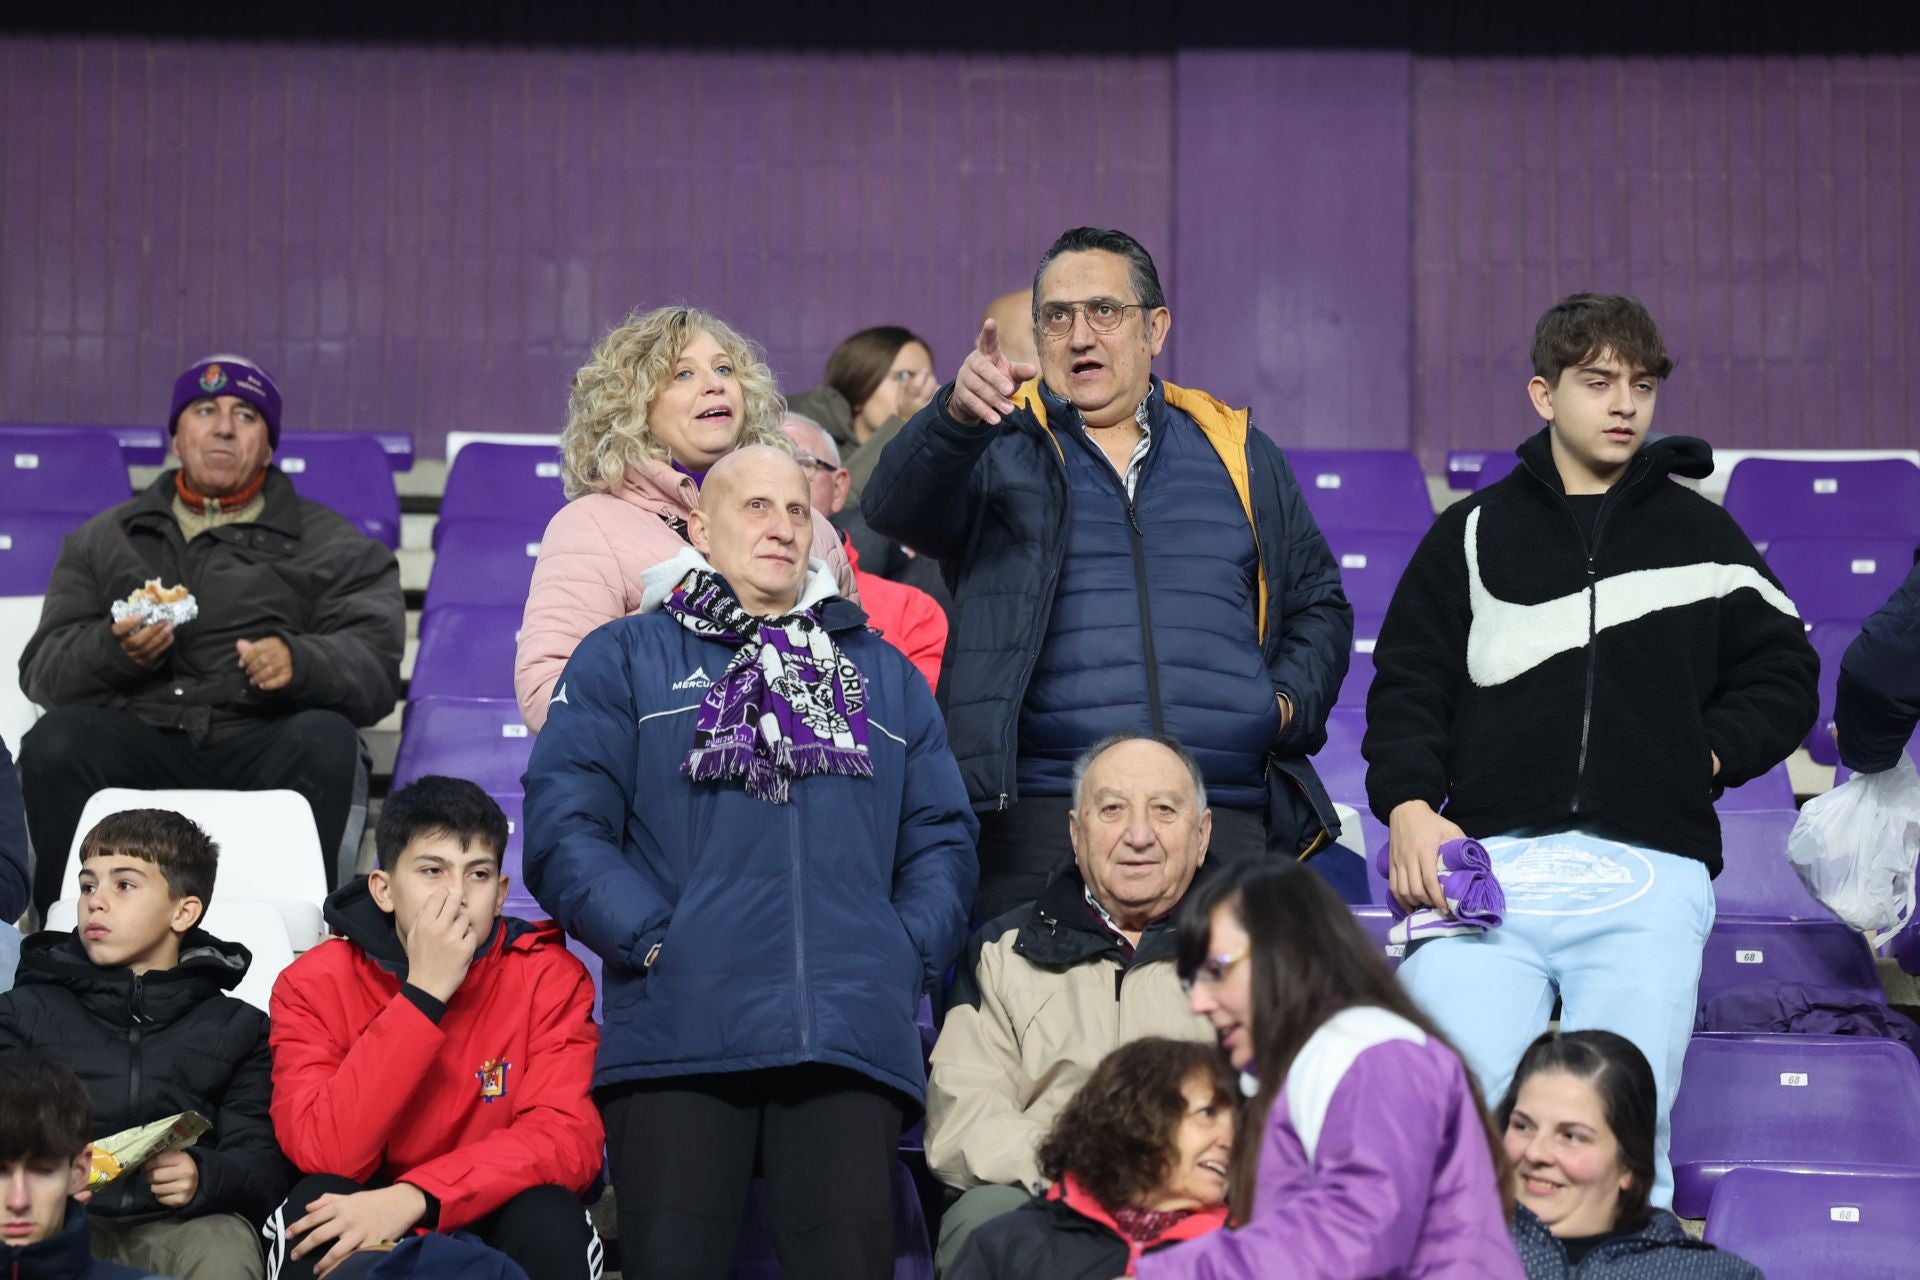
x,y
1020,846
685,1150
543,1229
73,752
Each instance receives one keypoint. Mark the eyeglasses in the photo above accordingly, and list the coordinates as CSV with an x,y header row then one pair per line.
x,y
1213,970
812,463
1103,315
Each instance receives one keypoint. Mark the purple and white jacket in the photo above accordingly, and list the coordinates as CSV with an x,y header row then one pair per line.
x,y
1374,1164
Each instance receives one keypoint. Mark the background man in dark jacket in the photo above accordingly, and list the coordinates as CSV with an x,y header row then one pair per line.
x,y
13,864
1877,703
297,641
743,801
1125,555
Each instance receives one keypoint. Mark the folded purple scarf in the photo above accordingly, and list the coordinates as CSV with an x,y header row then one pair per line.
x,y
1472,892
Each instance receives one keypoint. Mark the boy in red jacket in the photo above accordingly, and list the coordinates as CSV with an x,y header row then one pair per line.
x,y
431,1064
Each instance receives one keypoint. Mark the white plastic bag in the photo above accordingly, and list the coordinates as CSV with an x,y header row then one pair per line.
x,y
1855,847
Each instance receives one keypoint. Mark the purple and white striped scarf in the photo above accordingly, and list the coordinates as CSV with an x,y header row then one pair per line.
x,y
789,703
1472,893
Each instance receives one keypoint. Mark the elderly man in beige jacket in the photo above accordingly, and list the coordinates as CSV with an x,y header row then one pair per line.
x,y
1047,990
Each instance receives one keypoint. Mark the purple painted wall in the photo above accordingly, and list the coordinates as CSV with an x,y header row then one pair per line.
x,y
1356,244
1767,211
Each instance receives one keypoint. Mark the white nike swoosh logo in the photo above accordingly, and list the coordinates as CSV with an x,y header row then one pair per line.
x,y
1507,640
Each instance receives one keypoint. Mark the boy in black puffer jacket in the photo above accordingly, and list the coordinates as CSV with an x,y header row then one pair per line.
x,y
135,1005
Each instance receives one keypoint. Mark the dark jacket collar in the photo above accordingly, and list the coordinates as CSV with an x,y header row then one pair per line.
x,y
281,514
352,914
1686,456
1061,929
208,966
67,1253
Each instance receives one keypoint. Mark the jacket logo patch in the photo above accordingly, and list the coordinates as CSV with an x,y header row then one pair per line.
x,y
560,698
698,680
213,378
492,1076
1507,640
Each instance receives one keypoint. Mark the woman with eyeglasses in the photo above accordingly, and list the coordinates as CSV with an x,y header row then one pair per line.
x,y
666,394
876,380
1365,1151
1579,1120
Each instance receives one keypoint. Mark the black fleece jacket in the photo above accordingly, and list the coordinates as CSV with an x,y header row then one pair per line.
x,y
1531,684
151,1046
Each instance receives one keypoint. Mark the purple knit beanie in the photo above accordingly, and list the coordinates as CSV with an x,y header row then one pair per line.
x,y
228,375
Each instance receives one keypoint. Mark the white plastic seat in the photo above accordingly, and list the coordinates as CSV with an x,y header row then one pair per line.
x,y
257,926
19,616
269,849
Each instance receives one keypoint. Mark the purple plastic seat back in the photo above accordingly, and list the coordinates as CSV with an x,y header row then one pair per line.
x,y
1380,489
519,483
483,562
1830,641
1743,951
480,739
511,803
912,1253
80,472
1340,765
1757,879
29,544
1787,1100
1780,497
347,472
1798,1224
1841,579
1370,565
1772,790
1474,469
466,651
1353,690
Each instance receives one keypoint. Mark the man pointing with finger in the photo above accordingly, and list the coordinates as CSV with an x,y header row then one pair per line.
x,y
1126,555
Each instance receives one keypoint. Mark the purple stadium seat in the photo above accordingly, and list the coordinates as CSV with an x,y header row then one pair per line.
x,y
1370,565
1800,1224
1380,489
912,1253
1743,951
480,739
1757,880
510,482
77,472
1830,641
29,544
347,472
1788,1101
1844,579
1771,790
1353,691
1472,469
1339,763
511,803
482,562
140,446
466,651
1778,498
586,956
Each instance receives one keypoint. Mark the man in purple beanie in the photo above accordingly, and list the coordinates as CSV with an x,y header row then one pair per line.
x,y
288,637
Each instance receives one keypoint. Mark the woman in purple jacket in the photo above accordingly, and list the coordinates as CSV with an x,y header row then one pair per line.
x,y
1365,1151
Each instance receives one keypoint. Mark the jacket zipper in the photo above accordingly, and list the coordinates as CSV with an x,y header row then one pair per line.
x,y
1039,635
1137,547
133,1045
1593,604
803,998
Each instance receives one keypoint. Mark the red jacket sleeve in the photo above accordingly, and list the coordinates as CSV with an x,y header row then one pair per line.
x,y
555,1136
337,1095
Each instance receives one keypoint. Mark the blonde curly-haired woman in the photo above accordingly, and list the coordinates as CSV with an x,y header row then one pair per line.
x,y
666,395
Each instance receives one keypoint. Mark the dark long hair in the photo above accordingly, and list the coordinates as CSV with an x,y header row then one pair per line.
x,y
1116,1134
1621,1075
858,366
1309,960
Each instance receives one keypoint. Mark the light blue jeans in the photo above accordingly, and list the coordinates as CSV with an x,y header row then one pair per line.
x,y
1617,931
9,954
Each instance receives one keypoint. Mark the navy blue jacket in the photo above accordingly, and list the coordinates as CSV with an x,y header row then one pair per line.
x,y
994,506
803,932
67,1254
1878,699
14,884
1661,1250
